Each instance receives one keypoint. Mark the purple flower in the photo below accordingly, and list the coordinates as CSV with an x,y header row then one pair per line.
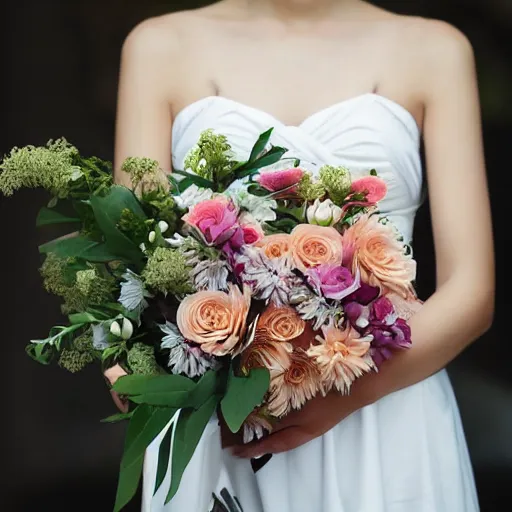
x,y
333,282
357,306
389,338
382,312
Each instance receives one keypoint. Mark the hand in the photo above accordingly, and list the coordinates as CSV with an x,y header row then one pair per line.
x,y
317,417
112,374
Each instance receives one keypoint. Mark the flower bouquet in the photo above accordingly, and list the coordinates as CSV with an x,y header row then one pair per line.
x,y
239,287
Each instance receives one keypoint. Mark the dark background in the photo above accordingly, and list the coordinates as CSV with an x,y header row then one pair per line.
x,y
60,68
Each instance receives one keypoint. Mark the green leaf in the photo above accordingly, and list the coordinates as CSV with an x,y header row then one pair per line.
x,y
83,318
49,216
164,457
79,247
270,157
146,423
115,418
243,394
153,384
260,145
284,225
197,180
190,428
41,352
107,211
373,172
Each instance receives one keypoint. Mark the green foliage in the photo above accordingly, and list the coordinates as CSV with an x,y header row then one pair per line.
x,y
74,360
167,272
337,182
242,395
141,360
308,190
139,168
211,158
50,167
160,205
134,227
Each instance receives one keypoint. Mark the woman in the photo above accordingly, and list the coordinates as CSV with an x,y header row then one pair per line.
x,y
342,82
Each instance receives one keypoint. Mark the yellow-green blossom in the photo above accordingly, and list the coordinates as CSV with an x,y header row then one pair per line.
x,y
211,158
337,182
167,272
308,189
141,360
74,360
49,167
94,288
139,167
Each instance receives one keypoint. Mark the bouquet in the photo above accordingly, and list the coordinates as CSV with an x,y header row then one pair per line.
x,y
243,287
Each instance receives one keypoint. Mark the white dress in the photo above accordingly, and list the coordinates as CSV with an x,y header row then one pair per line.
x,y
404,453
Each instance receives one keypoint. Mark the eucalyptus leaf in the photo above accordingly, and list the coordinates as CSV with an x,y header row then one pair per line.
x,y
243,394
190,428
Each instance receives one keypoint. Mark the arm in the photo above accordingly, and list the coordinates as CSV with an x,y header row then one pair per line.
x,y
144,118
461,309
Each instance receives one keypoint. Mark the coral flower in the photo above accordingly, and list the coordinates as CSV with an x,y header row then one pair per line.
x,y
341,357
251,229
373,248
373,188
275,180
215,320
276,246
281,323
291,388
315,245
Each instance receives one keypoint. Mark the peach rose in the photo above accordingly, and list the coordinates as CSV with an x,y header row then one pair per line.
x,y
215,320
315,245
276,246
281,323
373,247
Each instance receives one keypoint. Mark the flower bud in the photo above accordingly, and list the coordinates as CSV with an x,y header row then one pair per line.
x,y
115,328
201,163
163,226
127,330
151,237
324,213
142,247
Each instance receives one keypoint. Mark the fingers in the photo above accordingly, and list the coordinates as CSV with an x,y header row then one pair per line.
x,y
121,403
281,441
113,373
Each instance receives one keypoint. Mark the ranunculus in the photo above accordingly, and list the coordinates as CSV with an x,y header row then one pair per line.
x,y
333,282
374,188
341,357
292,387
281,323
215,320
251,228
373,248
215,218
315,245
276,246
387,338
324,213
275,180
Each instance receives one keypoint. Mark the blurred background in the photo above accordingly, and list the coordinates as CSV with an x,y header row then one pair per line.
x,y
60,69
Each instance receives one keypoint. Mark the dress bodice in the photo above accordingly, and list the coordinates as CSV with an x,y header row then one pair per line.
x,y
363,133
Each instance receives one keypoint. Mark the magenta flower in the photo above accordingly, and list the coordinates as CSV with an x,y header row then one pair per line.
x,y
386,339
215,218
333,281
252,230
275,180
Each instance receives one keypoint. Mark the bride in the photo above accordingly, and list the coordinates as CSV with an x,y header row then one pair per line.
x,y
345,83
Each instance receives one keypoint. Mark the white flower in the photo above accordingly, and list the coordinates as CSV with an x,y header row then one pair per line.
x,y
260,207
269,279
324,213
142,247
115,328
210,275
163,226
185,358
99,337
127,329
151,237
192,195
176,241
133,292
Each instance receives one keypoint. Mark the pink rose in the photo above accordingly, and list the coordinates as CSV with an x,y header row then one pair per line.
x,y
275,180
333,281
372,187
251,228
216,219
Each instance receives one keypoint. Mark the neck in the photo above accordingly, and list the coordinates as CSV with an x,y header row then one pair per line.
x,y
298,9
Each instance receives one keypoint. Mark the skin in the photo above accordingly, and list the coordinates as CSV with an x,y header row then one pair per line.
x,y
298,57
